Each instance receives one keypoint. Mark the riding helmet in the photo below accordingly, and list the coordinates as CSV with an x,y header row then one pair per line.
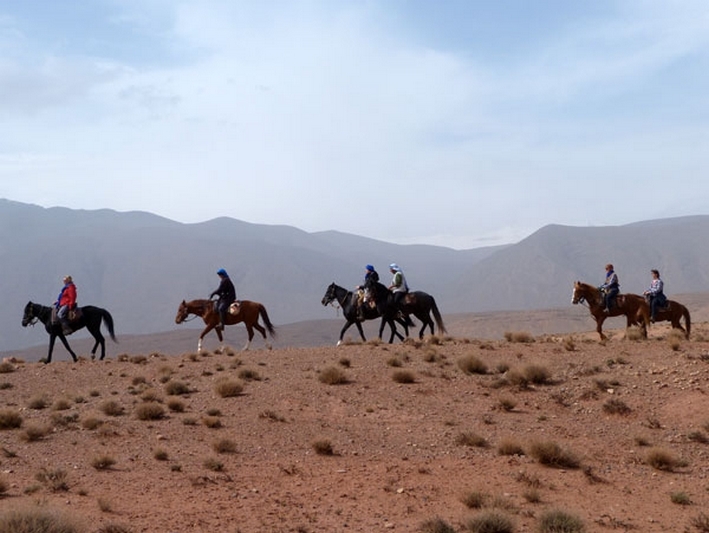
x,y
222,272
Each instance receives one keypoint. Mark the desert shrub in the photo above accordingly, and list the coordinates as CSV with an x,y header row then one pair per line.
x,y
569,344
105,505
395,362
537,374
224,446
35,519
91,422
62,404
228,388
212,422
6,367
151,395
138,380
213,464
556,521
10,419
5,385
509,447
471,364
701,523
532,496
54,480
491,522
345,362
616,406
475,499
323,447
34,432
507,403
549,453
176,388
103,462
175,405
468,438
248,374
332,376
38,403
403,376
272,415
519,336
680,498
112,408
149,411
641,440
160,454
517,378
435,525
661,459
698,436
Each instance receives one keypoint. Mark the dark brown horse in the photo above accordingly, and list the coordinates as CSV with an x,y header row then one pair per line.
x,y
673,312
633,306
248,313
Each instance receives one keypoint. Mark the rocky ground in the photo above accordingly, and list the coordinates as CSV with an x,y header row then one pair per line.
x,y
422,436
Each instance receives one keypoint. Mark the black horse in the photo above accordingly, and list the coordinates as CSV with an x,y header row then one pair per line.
x,y
417,303
348,302
89,317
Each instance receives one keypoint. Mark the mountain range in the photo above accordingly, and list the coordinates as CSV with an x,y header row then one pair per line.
x,y
140,266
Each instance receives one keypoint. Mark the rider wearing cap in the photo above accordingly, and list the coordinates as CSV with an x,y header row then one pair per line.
x,y
364,292
398,284
226,293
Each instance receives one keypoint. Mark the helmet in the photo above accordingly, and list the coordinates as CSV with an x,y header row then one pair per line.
x,y
222,272
370,268
394,267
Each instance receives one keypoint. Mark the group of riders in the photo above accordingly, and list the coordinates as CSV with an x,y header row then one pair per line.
x,y
654,294
366,295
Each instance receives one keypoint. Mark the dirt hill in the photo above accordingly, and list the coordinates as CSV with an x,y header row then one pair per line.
x,y
422,436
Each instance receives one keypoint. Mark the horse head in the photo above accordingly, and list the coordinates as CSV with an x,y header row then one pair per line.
x,y
580,293
28,317
182,313
330,294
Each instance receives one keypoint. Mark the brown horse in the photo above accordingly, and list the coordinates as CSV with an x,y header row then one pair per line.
x,y
633,306
248,313
673,312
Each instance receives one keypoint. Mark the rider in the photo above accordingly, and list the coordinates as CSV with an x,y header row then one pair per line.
x,y
610,288
364,291
66,301
655,294
226,293
398,285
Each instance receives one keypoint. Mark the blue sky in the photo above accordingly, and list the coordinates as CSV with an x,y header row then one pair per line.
x,y
458,123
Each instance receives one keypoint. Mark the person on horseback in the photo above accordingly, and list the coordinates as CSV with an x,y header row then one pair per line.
x,y
655,294
227,295
365,295
398,285
66,301
610,288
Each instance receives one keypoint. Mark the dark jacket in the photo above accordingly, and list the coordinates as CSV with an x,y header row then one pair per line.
x,y
225,291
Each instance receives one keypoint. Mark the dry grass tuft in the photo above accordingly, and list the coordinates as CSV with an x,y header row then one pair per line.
x,y
436,525
491,522
549,453
35,431
37,519
475,499
6,367
661,459
112,408
470,364
176,388
616,406
332,376
468,438
224,446
537,374
54,480
507,403
323,447
701,523
228,388
519,336
510,447
149,411
405,377
556,521
103,462
680,498
10,419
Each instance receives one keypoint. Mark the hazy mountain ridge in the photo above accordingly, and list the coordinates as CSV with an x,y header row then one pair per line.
x,y
139,266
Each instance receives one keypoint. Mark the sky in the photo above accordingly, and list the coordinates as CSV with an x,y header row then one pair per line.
x,y
459,123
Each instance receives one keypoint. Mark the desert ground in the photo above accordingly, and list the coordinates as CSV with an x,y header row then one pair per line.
x,y
454,433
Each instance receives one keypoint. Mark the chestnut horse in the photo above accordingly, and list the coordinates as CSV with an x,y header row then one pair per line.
x,y
633,306
672,312
248,313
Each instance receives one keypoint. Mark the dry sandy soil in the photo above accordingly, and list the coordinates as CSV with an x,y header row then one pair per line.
x,y
293,452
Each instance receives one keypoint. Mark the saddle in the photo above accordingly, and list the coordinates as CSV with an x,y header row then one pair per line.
x,y
235,307
73,315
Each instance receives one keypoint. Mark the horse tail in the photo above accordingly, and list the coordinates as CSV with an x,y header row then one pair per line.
x,y
108,320
687,320
437,316
264,316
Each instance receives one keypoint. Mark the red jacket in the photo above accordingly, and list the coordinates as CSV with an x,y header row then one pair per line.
x,y
68,295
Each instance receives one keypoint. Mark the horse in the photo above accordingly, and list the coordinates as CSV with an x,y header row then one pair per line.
x,y
248,313
672,312
417,303
89,317
633,306
347,300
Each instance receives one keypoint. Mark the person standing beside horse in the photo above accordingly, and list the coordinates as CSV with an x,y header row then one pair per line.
x,y
610,288
66,301
227,295
655,295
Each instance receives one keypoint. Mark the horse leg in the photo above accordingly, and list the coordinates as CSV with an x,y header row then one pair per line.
x,y
599,327
52,338
250,331
201,336
262,331
68,348
100,340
